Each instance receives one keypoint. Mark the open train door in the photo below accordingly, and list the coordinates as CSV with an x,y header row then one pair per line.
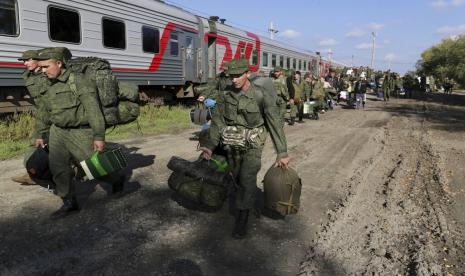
x,y
212,47
189,57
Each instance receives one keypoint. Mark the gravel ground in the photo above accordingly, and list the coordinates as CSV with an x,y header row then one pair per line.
x,y
382,193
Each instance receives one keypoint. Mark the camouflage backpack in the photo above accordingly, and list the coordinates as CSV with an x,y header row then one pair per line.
x,y
119,100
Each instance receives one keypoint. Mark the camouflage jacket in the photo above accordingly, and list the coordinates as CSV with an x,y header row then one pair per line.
x,y
67,109
318,91
306,90
35,81
281,88
243,110
36,84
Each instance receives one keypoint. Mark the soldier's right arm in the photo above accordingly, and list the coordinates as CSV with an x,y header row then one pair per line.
x,y
217,124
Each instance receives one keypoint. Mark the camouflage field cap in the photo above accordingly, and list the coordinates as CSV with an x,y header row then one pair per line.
x,y
29,54
236,66
278,68
58,53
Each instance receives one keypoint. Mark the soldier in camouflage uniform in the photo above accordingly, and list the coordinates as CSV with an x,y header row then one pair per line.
x,y
297,106
245,113
280,87
77,126
388,85
35,83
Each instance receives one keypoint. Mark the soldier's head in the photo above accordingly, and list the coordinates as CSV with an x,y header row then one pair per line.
x,y
278,71
297,75
53,61
29,59
238,73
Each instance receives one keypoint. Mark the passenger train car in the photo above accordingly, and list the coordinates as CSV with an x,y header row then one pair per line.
x,y
162,48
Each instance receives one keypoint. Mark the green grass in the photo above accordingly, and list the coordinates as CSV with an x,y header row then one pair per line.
x,y
15,130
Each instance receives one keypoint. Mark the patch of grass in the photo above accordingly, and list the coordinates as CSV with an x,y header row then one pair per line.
x,y
154,120
15,130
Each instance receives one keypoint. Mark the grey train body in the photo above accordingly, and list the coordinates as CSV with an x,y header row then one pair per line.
x,y
149,43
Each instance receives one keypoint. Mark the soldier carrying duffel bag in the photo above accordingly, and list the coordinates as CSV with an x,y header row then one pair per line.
x,y
282,188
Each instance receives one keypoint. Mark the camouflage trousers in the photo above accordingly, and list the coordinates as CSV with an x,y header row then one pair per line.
x,y
297,109
66,146
245,166
387,95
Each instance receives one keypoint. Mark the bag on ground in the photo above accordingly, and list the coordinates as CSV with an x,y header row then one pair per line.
x,y
192,186
282,188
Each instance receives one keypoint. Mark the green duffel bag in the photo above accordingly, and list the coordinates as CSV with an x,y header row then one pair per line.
x,y
282,188
197,190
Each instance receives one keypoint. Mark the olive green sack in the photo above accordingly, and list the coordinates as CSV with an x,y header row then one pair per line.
x,y
282,188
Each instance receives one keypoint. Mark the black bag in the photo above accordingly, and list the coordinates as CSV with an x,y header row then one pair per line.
x,y
282,188
37,164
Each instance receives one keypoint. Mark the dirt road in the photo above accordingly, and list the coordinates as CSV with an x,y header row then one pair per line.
x,y
382,193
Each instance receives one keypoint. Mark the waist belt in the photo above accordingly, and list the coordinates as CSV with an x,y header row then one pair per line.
x,y
76,127
242,138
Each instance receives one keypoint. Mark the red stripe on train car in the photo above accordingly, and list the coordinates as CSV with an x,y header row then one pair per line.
x,y
11,64
157,58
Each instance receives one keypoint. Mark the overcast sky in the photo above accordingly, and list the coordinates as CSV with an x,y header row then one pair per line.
x,y
404,28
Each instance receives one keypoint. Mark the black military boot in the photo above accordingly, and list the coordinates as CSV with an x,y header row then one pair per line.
x,y
301,120
291,121
118,186
69,206
240,227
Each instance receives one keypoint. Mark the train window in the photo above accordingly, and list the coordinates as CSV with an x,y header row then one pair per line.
x,y
281,61
64,25
114,33
265,59
189,48
288,63
150,39
273,61
300,64
174,45
255,57
8,17
294,64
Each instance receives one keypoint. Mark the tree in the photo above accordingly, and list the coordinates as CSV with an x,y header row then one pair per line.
x,y
446,59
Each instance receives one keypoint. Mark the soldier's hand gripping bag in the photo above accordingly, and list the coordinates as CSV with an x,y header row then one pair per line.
x,y
282,188
36,164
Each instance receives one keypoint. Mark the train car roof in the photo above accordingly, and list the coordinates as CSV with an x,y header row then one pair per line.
x,y
157,5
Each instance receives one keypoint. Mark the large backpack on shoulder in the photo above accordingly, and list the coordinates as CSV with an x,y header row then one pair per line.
x,y
282,188
119,100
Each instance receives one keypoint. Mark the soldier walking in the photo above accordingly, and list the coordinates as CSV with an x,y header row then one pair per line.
x,y
76,125
280,87
35,83
245,114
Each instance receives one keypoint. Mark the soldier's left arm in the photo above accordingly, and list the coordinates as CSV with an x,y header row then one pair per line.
x,y
87,93
274,125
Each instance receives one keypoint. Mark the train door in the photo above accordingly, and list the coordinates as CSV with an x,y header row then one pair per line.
x,y
188,49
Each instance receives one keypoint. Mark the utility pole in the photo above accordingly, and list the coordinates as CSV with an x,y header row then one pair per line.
x,y
272,30
352,61
373,34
